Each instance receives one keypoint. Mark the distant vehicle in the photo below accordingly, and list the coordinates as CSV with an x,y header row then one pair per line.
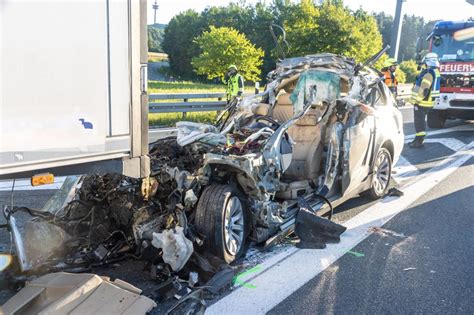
x,y
73,88
454,44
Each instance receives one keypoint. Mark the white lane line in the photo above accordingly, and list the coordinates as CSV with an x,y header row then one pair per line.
x,y
450,143
24,184
404,170
282,276
467,127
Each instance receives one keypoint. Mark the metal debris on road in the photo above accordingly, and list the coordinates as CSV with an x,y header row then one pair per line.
x,y
385,232
395,192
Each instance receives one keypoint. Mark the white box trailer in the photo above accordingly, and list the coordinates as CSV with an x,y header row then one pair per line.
x,y
73,87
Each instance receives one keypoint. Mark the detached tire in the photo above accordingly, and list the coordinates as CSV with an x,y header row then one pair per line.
x,y
221,217
382,172
436,119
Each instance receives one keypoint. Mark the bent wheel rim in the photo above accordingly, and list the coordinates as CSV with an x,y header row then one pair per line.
x,y
382,173
234,226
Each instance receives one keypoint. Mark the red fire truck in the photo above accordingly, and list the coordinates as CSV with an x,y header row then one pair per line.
x,y
454,44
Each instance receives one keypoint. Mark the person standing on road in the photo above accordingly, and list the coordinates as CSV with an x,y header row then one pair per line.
x,y
390,66
235,83
424,93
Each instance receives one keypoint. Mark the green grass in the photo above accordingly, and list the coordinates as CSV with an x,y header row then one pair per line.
x,y
170,119
183,87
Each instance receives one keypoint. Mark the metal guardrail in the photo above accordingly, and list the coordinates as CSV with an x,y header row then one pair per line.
x,y
404,92
185,106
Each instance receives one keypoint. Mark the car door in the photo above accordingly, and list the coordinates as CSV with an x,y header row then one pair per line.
x,y
358,146
390,117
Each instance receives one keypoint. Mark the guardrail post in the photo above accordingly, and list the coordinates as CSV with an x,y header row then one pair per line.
x,y
183,115
219,111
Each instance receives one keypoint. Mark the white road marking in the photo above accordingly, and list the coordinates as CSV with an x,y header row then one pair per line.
x,y
450,143
24,184
466,127
404,170
288,271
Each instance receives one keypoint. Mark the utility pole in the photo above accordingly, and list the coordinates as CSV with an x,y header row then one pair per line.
x,y
396,30
155,7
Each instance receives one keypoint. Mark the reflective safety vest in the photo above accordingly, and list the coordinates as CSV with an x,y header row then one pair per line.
x,y
235,84
426,88
390,80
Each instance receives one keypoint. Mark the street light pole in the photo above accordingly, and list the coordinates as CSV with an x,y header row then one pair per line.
x,y
396,30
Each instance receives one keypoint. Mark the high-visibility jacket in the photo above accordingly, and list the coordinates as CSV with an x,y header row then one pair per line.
x,y
426,88
235,86
390,80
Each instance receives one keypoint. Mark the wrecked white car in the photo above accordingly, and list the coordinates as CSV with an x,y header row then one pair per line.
x,y
324,130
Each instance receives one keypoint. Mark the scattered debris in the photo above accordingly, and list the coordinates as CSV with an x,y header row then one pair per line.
x,y
385,232
67,293
177,249
314,231
220,280
395,192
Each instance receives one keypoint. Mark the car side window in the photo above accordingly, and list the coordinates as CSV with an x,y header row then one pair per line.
x,y
374,97
379,96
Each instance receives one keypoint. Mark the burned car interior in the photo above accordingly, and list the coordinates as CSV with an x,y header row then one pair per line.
x,y
273,161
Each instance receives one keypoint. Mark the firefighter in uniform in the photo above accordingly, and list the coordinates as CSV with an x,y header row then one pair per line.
x,y
424,93
235,83
390,66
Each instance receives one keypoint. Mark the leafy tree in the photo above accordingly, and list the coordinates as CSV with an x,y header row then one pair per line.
x,y
384,23
410,69
412,28
155,38
401,75
311,28
178,42
366,36
223,46
331,27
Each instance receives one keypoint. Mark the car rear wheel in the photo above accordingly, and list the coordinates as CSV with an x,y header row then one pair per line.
x,y
381,175
221,218
436,119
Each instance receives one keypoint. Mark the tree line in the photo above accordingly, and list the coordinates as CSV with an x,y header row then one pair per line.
x,y
328,26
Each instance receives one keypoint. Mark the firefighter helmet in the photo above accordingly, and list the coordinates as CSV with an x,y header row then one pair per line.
x,y
431,60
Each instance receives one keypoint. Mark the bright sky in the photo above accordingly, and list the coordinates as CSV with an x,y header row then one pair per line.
x,y
429,9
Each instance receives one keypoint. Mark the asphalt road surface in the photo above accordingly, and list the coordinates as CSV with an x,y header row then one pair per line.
x,y
409,254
